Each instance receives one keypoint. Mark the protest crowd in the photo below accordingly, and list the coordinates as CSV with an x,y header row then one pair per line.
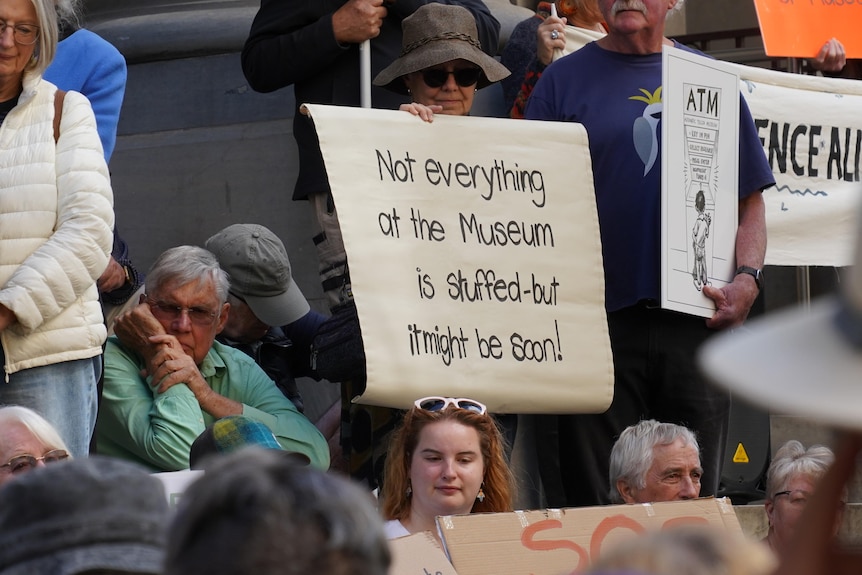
x,y
116,378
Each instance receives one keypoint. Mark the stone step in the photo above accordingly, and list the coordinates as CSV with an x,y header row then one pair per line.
x,y
752,519
786,427
783,428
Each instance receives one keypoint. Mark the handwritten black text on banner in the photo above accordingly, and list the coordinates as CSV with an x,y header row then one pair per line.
x,y
474,257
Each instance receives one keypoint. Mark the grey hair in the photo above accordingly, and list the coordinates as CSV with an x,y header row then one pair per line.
x,y
257,511
184,265
793,459
686,550
68,14
40,427
632,454
46,15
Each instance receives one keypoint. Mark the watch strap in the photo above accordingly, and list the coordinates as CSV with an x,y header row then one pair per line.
x,y
753,272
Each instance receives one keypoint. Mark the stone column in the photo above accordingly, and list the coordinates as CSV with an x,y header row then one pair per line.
x,y
149,30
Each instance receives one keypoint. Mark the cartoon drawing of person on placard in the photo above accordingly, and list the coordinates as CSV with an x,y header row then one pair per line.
x,y
699,233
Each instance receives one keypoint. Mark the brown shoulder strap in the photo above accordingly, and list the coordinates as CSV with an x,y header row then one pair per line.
x,y
59,97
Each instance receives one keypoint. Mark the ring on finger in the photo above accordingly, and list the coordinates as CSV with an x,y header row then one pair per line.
x,y
554,34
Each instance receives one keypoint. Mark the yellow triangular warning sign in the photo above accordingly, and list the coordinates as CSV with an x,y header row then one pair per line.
x,y
740,456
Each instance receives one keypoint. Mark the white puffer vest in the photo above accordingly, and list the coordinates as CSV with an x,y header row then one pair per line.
x,y
56,222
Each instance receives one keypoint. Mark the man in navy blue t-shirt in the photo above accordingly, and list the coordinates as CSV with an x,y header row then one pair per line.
x,y
613,87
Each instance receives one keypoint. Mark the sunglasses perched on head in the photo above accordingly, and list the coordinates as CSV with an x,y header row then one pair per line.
x,y
464,77
441,403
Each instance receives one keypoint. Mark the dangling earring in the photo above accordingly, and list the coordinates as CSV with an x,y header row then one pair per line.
x,y
409,491
481,495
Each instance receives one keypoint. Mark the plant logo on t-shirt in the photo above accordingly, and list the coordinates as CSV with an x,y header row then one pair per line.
x,y
645,128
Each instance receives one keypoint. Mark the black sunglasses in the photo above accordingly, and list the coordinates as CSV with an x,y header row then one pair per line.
x,y
464,77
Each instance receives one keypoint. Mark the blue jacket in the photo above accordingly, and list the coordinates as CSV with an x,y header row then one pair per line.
x,y
88,64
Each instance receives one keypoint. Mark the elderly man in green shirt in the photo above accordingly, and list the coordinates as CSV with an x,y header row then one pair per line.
x,y
167,379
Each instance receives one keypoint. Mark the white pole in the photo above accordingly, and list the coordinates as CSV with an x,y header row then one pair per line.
x,y
365,74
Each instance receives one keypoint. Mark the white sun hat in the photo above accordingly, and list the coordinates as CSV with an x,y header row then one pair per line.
x,y
805,362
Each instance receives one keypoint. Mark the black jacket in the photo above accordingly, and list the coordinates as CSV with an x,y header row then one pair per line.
x,y
291,42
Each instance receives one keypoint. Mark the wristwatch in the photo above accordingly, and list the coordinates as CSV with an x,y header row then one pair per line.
x,y
755,273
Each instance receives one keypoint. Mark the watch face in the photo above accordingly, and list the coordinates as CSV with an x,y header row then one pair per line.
x,y
758,279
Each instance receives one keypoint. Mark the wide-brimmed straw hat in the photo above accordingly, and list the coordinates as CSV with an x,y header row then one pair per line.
x,y
433,35
805,362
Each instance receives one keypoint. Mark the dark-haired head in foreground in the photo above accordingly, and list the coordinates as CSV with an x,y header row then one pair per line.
x,y
257,511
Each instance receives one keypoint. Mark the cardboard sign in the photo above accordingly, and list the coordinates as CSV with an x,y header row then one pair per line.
x,y
556,541
799,28
475,258
418,554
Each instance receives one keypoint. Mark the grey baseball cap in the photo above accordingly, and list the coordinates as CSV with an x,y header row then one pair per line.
x,y
259,270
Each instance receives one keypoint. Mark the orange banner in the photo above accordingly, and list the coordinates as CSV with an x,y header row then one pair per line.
x,y
799,28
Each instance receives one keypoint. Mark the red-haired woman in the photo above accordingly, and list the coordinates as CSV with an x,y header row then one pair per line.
x,y
446,458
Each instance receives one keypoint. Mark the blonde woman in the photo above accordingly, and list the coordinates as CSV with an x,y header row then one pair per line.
x,y
56,216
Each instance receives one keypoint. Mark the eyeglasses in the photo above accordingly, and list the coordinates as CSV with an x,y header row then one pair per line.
x,y
441,403
464,77
797,498
171,312
22,463
25,34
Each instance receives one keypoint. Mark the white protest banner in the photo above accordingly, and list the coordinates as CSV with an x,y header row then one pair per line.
x,y
475,258
700,138
811,130
576,37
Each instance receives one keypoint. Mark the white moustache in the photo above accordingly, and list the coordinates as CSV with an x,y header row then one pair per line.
x,y
621,5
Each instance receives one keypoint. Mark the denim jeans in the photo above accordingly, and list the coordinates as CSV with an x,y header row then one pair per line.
x,y
63,393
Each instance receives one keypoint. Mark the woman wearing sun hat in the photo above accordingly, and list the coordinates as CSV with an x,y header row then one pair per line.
x,y
442,64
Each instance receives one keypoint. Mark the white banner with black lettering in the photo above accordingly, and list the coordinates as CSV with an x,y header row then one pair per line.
x,y
475,258
811,129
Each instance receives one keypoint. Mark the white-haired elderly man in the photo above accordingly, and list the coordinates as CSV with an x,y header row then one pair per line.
x,y
654,461
613,87
167,379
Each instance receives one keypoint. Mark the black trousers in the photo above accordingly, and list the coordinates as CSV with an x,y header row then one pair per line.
x,y
655,377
